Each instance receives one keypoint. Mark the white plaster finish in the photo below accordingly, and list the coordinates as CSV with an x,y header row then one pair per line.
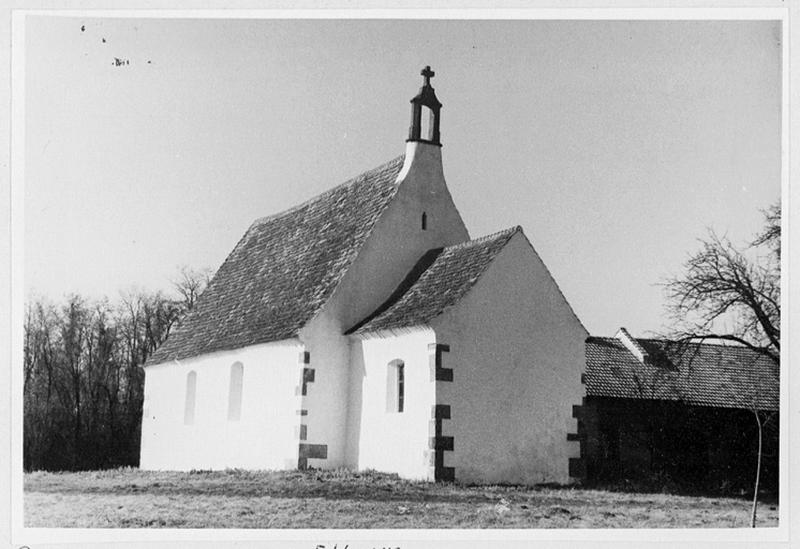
x,y
397,240
517,354
395,441
326,396
395,245
263,437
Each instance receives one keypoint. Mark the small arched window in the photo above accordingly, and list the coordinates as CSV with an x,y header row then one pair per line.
x,y
424,221
191,388
235,392
395,386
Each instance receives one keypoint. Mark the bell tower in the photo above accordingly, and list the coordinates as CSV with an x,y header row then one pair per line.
x,y
425,109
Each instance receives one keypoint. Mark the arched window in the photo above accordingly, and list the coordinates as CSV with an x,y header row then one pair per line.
x,y
395,386
191,388
424,221
235,392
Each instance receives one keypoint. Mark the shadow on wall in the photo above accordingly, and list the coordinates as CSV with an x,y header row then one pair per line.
x,y
357,373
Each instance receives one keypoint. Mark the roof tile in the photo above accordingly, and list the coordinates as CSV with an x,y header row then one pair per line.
x,y
439,280
284,269
701,374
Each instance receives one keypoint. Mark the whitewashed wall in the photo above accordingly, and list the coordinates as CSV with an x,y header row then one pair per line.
x,y
397,241
396,244
517,354
392,441
326,396
263,438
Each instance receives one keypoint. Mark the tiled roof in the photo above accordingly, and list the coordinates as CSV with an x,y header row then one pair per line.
x,y
701,374
284,269
439,280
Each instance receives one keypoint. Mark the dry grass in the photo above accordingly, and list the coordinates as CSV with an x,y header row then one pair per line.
x,y
129,498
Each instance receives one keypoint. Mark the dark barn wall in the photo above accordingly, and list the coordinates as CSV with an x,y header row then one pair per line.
x,y
670,442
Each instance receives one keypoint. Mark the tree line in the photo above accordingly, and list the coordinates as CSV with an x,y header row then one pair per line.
x,y
83,384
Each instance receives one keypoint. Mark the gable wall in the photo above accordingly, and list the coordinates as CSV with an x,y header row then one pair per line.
x,y
516,351
263,438
397,241
394,247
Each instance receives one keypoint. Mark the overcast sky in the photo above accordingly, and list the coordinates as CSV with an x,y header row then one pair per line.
x,y
613,144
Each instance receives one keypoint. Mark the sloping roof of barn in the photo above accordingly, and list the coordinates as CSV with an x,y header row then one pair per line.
x,y
701,374
284,269
439,280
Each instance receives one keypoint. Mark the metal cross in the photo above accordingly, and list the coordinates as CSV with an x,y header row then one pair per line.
x,y
428,74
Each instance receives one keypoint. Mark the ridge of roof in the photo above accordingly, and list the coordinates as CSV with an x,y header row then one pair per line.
x,y
657,340
503,233
441,277
324,194
284,268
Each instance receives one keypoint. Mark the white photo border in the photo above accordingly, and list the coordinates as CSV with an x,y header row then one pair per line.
x,y
11,460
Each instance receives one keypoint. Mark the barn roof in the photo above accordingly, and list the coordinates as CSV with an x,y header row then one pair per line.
x,y
701,374
284,269
438,281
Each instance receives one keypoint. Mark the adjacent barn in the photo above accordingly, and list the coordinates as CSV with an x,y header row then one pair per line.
x,y
679,412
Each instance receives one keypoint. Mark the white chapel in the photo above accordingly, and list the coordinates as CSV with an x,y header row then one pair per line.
x,y
364,329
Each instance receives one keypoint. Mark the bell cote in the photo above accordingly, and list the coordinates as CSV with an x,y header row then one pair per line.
x,y
425,109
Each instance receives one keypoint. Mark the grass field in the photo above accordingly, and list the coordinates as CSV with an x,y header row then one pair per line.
x,y
129,498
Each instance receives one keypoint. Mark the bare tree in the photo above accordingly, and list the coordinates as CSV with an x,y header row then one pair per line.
x,y
83,384
720,282
190,283
762,422
771,234
751,393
